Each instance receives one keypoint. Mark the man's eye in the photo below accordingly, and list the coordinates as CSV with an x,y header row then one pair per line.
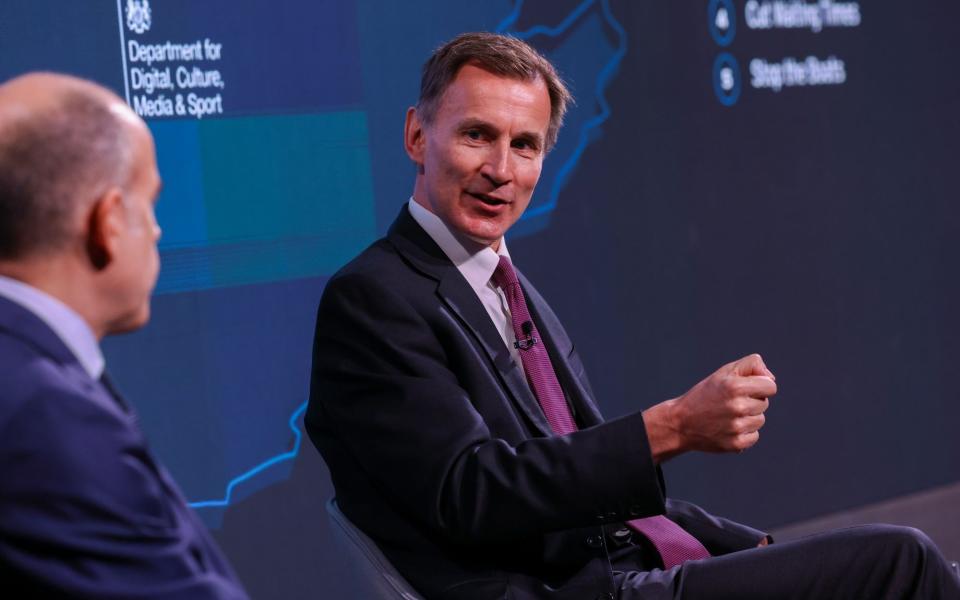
x,y
524,145
474,134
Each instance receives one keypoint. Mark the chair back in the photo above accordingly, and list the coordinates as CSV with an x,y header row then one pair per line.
x,y
376,577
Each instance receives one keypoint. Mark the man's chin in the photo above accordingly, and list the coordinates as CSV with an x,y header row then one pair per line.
x,y
483,242
485,233
130,322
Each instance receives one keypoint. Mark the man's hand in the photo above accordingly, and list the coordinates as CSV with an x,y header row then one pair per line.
x,y
722,413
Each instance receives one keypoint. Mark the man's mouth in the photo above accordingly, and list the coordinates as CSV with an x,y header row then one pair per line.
x,y
488,200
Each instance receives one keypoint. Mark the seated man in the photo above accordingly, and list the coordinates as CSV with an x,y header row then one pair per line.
x,y
460,429
85,509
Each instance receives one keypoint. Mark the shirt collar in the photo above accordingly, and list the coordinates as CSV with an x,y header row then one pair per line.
x,y
476,266
70,327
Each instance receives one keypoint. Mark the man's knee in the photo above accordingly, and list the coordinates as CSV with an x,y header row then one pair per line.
x,y
902,544
902,560
904,538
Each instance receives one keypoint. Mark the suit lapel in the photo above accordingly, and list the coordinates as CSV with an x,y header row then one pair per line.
x,y
460,298
559,347
17,321
457,295
28,327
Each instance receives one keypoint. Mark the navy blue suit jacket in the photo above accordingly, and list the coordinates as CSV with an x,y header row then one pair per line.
x,y
439,451
85,509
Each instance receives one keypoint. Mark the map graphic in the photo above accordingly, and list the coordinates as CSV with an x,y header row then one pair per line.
x,y
277,135
735,176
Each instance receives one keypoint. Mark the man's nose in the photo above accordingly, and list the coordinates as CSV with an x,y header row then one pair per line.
x,y
496,167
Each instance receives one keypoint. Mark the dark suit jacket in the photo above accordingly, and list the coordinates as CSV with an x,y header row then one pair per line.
x,y
439,451
85,510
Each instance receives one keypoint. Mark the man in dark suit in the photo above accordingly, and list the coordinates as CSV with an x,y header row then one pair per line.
x,y
85,509
457,421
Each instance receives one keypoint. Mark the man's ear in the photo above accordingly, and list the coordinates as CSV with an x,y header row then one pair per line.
x,y
105,221
413,139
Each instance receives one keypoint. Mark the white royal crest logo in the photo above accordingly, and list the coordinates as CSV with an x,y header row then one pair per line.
x,y
138,15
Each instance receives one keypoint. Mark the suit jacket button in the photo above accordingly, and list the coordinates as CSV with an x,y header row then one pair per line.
x,y
621,536
594,541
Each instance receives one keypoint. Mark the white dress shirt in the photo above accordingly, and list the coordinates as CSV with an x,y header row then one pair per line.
x,y
70,327
477,265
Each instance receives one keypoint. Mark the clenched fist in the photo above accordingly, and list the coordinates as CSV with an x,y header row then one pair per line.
x,y
722,413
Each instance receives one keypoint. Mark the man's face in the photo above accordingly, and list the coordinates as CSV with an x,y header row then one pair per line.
x,y
138,262
482,154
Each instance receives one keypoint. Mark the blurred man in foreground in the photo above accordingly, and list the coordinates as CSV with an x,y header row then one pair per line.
x,y
85,509
458,423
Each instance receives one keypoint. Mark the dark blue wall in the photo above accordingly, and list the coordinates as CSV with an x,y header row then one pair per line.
x,y
816,225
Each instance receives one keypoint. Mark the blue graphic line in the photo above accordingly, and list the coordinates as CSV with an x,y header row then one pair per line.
x,y
550,31
603,79
298,437
511,18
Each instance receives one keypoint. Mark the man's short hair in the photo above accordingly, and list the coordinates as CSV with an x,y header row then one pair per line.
x,y
500,54
54,162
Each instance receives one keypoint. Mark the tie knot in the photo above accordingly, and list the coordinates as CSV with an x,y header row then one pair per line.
x,y
504,275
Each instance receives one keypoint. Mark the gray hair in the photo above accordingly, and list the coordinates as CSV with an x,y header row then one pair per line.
x,y
500,54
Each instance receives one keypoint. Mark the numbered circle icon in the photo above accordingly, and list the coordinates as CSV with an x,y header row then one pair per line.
x,y
726,79
722,21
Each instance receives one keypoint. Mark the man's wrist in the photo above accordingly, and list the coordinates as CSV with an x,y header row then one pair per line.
x,y
663,432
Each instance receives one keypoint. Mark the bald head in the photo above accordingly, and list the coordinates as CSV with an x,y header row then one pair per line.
x,y
64,141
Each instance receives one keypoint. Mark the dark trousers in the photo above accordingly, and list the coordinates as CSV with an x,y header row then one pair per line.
x,y
870,562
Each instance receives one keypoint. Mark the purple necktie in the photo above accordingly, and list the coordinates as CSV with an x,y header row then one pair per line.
x,y
673,543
